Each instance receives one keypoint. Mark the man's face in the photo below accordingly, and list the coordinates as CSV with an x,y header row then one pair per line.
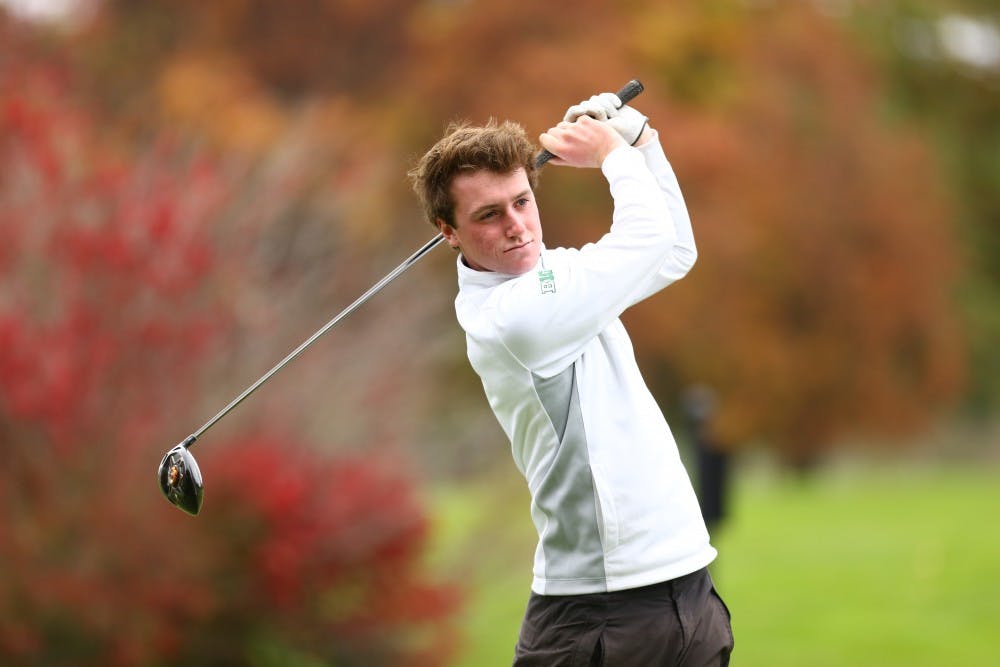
x,y
496,221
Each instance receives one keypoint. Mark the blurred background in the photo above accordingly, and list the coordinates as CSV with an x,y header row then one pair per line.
x,y
189,189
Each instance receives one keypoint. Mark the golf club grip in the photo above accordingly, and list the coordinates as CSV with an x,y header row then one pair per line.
x,y
628,92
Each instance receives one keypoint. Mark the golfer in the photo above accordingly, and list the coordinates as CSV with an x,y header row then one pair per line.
x,y
620,573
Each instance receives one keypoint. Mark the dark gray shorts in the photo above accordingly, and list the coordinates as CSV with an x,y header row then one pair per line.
x,y
674,623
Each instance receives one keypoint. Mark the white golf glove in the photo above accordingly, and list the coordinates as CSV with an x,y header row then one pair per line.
x,y
628,122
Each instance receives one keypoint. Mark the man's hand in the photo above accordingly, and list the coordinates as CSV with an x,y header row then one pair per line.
x,y
627,121
582,143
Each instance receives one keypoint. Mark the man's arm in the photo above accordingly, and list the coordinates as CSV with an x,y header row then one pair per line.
x,y
634,128
546,330
684,253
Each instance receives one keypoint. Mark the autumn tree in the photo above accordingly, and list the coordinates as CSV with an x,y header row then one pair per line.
x,y
822,304
944,75
116,311
823,301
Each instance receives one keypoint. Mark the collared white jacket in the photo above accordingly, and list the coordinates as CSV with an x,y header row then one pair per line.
x,y
612,503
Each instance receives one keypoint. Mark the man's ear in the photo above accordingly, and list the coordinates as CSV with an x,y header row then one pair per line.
x,y
449,232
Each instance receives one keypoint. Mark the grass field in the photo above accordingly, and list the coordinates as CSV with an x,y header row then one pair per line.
x,y
862,564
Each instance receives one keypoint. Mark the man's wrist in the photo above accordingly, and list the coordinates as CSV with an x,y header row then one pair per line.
x,y
616,141
612,156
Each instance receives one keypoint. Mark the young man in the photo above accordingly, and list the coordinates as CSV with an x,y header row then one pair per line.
x,y
619,575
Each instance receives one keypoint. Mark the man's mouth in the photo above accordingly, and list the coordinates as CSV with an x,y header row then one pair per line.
x,y
518,247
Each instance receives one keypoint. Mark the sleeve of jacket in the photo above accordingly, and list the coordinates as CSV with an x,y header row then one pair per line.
x,y
546,330
684,253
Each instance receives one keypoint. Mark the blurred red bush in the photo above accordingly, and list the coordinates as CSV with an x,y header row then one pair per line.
x,y
110,307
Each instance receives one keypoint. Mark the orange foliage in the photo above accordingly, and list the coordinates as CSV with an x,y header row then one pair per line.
x,y
821,304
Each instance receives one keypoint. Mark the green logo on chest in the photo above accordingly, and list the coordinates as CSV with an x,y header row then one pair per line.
x,y
547,281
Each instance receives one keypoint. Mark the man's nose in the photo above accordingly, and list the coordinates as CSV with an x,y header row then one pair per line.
x,y
515,224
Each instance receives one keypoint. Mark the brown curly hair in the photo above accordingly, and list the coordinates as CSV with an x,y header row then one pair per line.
x,y
500,148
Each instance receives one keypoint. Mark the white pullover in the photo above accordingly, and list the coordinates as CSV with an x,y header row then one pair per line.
x,y
612,503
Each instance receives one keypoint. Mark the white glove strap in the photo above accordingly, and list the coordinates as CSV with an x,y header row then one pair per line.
x,y
629,123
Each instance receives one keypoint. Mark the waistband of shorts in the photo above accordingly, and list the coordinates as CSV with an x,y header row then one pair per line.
x,y
668,586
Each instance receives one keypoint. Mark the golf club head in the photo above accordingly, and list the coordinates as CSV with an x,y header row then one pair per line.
x,y
180,478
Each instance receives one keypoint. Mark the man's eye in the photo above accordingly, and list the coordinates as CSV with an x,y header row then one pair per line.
x,y
523,201
488,214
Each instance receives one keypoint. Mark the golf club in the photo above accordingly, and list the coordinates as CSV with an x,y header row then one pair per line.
x,y
180,478
178,474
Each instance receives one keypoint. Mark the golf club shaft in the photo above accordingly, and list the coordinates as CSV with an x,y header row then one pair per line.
x,y
374,289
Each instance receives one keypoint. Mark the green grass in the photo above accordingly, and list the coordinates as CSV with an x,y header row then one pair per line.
x,y
877,566
485,541
861,565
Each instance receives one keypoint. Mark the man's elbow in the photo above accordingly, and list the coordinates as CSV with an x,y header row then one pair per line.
x,y
685,258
